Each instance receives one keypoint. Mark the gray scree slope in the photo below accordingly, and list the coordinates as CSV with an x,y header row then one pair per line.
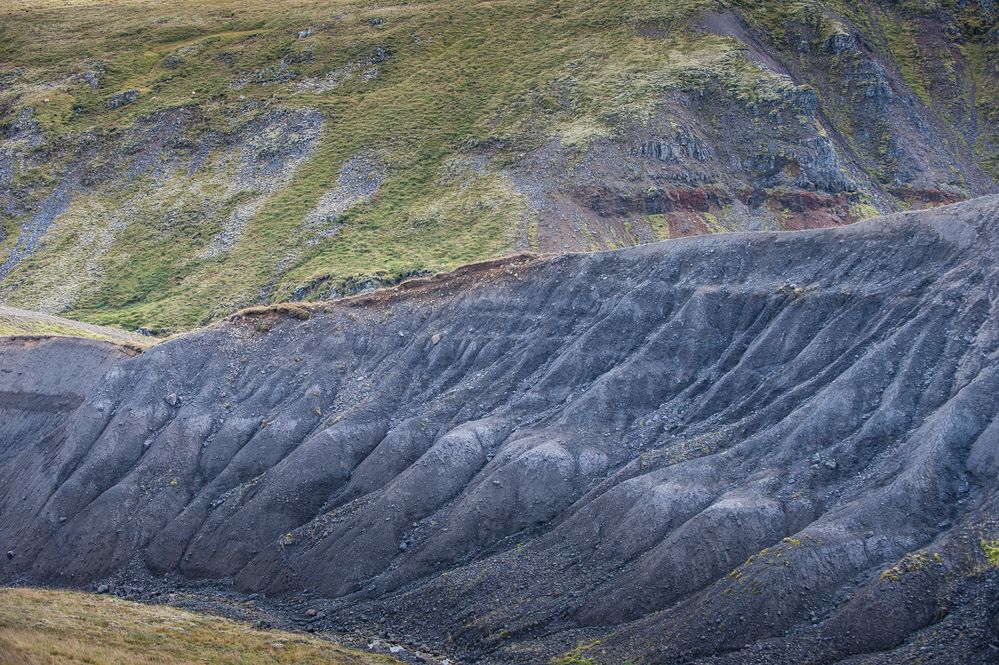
x,y
771,447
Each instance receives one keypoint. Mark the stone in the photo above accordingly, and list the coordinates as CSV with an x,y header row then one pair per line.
x,y
123,98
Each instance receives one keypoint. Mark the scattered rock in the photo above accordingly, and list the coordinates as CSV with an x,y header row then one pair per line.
x,y
123,98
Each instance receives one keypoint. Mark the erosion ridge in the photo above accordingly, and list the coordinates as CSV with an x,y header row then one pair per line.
x,y
443,282
756,448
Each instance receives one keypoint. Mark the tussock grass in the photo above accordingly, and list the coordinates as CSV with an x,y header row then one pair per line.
x,y
42,627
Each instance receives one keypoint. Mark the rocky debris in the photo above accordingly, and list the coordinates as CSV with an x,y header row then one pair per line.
x,y
123,98
300,57
24,127
668,449
34,228
366,69
358,180
93,75
272,148
842,42
270,75
102,588
172,399
684,145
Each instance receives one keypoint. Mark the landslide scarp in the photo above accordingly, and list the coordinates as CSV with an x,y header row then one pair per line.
x,y
757,447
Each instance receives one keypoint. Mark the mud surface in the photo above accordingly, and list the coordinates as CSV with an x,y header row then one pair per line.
x,y
749,448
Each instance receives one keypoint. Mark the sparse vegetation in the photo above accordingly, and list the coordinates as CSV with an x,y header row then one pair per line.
x,y
911,563
991,550
578,655
42,627
517,73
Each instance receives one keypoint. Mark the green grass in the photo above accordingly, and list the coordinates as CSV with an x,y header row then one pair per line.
x,y
491,77
991,550
42,627
463,81
460,76
15,322
577,656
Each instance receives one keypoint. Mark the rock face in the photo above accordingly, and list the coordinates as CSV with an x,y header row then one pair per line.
x,y
773,447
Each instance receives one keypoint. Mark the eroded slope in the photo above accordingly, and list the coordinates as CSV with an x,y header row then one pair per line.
x,y
780,447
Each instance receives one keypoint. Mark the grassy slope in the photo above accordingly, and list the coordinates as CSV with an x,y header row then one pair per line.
x,y
459,74
20,322
41,627
508,74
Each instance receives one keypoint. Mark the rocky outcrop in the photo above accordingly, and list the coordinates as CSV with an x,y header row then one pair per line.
x,y
752,448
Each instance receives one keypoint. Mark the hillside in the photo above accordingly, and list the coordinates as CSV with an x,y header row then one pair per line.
x,y
57,627
18,322
741,448
163,164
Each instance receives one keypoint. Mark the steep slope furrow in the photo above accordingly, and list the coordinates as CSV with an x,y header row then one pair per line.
x,y
784,394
